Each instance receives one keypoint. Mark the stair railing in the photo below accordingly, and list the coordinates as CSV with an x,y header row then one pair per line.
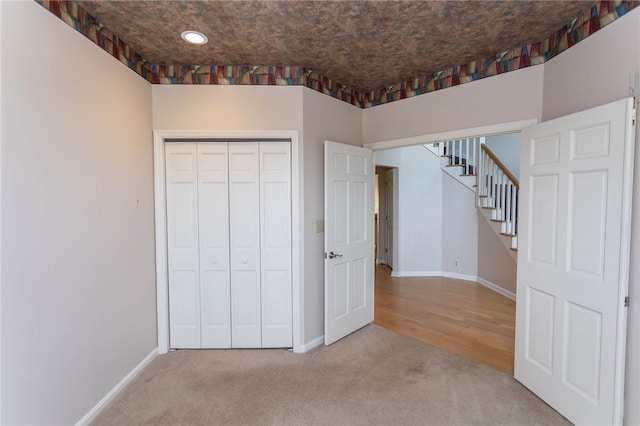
x,y
498,190
461,153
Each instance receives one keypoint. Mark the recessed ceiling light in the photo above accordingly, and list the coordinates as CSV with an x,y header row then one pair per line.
x,y
194,37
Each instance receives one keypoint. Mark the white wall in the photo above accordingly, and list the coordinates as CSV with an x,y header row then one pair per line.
x,y
325,118
78,292
419,213
512,96
594,72
459,228
193,107
507,149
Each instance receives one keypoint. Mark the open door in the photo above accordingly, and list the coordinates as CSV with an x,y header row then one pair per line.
x,y
573,261
348,239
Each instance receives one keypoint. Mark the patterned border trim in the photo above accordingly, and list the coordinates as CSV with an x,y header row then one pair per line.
x,y
598,16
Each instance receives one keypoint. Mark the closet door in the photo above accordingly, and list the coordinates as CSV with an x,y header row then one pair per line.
x,y
275,248
182,245
213,209
244,210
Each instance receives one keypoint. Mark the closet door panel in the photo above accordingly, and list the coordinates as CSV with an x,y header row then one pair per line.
x,y
182,245
245,309
213,183
244,209
216,315
275,250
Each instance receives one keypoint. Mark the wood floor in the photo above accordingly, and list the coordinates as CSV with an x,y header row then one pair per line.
x,y
459,316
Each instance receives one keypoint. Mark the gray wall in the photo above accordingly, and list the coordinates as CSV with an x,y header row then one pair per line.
x,y
78,277
325,118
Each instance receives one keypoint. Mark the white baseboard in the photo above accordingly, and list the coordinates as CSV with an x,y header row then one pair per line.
x,y
400,274
318,341
459,276
497,288
482,281
93,413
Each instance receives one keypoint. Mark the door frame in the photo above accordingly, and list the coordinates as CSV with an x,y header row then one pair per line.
x,y
159,184
393,202
488,130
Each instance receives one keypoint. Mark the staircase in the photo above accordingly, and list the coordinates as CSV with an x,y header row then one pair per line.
x,y
472,163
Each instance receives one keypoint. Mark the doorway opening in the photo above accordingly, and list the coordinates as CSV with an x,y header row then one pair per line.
x,y
443,239
384,213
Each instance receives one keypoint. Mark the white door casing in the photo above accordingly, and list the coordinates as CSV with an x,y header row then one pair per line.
x,y
390,197
160,138
349,239
573,261
229,211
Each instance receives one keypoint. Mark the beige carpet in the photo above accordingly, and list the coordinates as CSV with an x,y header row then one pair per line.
x,y
372,377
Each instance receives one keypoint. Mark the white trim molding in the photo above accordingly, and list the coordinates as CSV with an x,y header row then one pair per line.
x,y
497,288
318,341
472,278
401,274
491,129
97,409
297,254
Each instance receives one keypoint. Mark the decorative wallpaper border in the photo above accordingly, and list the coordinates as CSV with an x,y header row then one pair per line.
x,y
600,15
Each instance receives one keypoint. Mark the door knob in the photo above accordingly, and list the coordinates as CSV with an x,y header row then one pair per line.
x,y
332,255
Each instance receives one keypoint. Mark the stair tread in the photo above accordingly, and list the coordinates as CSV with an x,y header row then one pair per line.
x,y
455,165
468,174
506,234
488,208
514,249
498,220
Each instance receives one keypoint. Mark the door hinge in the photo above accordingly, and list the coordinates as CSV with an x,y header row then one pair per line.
x,y
626,302
634,111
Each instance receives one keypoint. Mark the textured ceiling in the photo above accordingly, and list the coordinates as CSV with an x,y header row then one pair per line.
x,y
362,44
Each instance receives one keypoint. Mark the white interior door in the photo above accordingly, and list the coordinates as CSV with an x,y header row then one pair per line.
x,y
349,239
573,261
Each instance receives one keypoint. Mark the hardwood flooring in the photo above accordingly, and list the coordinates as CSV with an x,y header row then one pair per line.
x,y
459,316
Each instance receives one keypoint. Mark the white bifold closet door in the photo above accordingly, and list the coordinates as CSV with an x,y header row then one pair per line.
x,y
229,244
